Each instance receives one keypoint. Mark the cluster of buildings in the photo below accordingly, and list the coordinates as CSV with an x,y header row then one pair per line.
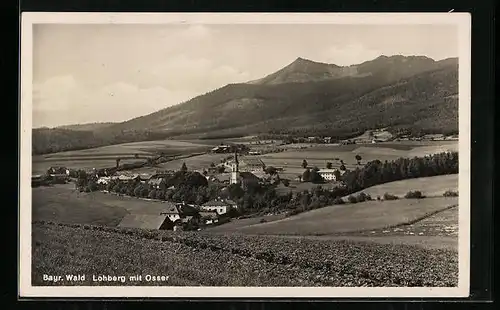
x,y
177,216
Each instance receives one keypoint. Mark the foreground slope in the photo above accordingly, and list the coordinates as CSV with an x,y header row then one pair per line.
x,y
193,259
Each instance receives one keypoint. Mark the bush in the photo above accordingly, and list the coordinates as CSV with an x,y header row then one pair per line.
x,y
338,201
352,199
363,197
450,193
378,198
388,196
414,195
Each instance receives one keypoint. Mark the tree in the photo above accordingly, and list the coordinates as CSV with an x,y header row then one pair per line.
x,y
342,167
337,174
118,162
184,167
358,158
306,176
271,170
300,177
221,169
304,164
152,194
329,165
212,165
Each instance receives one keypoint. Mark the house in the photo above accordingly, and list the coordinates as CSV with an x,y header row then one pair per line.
x,y
248,164
58,170
158,180
329,174
103,180
145,177
221,149
179,211
221,206
146,221
128,177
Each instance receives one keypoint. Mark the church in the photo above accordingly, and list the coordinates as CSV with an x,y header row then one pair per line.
x,y
243,178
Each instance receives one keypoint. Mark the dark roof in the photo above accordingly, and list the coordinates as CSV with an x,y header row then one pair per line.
x,y
251,161
144,221
219,202
248,176
170,209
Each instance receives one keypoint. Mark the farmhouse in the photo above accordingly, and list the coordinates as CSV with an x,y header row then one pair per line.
x,y
58,170
179,211
103,180
145,177
329,174
221,149
221,206
128,177
146,221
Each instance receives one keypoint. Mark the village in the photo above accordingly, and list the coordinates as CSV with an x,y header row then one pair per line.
x,y
241,185
246,173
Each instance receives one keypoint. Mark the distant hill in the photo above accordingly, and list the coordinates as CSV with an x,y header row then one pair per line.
x,y
401,93
385,92
86,127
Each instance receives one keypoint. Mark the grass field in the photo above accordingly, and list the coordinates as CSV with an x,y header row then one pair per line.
x,y
105,156
62,204
348,218
430,186
320,154
193,259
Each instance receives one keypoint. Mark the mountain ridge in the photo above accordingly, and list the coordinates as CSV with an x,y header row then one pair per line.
x,y
411,92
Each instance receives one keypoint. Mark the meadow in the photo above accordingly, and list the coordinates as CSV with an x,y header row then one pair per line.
x,y
64,204
429,186
193,259
348,218
106,156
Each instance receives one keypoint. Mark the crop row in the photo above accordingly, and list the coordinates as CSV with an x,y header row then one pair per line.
x,y
333,263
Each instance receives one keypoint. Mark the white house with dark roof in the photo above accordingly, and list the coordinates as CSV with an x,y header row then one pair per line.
x,y
221,206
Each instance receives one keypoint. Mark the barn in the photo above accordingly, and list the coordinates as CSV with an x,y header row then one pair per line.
x,y
146,221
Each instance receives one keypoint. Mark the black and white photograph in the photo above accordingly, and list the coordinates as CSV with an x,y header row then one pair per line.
x,y
245,155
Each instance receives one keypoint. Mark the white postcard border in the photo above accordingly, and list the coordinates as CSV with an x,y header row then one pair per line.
x,y
461,20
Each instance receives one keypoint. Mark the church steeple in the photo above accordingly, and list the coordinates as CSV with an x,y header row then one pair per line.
x,y
235,173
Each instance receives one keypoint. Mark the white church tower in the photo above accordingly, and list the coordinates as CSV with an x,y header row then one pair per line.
x,y
235,172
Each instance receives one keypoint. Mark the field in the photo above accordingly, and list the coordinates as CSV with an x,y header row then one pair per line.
x,y
430,186
105,156
192,259
61,203
318,155
348,218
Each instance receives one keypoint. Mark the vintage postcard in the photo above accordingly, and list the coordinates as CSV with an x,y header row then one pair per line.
x,y
245,155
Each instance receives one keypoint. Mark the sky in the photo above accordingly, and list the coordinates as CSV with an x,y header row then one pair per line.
x,y
111,73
